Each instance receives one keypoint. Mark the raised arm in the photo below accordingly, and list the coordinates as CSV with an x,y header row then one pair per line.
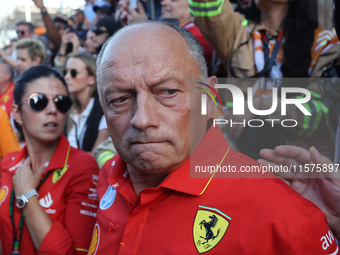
x,y
218,23
52,31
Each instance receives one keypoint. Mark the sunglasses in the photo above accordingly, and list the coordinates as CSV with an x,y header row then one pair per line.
x,y
59,27
73,72
98,31
20,32
38,102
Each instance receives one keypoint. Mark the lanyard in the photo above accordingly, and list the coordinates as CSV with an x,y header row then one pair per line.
x,y
269,60
17,236
82,131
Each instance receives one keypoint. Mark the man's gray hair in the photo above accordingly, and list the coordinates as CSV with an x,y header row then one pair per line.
x,y
194,48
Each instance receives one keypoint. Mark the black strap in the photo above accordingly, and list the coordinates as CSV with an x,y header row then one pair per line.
x,y
92,123
270,60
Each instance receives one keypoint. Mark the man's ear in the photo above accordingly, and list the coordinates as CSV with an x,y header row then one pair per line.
x,y
37,61
211,104
16,114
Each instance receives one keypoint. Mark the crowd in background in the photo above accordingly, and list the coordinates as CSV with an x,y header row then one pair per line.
x,y
238,48
71,44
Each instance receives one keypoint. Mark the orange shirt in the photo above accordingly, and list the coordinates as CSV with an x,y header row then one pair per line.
x,y
6,99
185,215
8,139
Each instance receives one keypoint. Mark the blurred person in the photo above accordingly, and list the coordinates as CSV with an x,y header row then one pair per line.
x,y
104,28
180,10
89,13
87,126
70,22
288,44
171,9
104,151
6,87
9,49
81,22
40,28
154,116
8,138
25,30
48,189
69,46
61,24
101,8
30,52
88,44
320,187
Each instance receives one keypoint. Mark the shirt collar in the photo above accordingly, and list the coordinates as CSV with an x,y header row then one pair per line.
x,y
57,160
211,151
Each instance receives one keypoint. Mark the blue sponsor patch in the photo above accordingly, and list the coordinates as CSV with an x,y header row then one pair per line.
x,y
108,198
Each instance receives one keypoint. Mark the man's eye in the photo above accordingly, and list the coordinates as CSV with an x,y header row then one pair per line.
x,y
121,99
170,92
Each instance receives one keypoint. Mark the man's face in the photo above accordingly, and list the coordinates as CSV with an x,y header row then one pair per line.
x,y
24,61
146,98
178,9
23,31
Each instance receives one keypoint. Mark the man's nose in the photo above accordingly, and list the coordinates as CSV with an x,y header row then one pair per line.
x,y
146,113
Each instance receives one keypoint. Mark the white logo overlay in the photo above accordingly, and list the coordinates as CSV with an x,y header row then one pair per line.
x,y
46,201
108,198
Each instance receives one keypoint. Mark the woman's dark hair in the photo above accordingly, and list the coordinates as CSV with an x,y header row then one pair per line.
x,y
30,75
299,28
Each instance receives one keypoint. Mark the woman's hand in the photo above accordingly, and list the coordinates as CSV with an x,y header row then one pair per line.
x,y
25,179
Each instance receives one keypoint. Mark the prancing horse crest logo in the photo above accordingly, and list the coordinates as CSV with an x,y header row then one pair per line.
x,y
210,225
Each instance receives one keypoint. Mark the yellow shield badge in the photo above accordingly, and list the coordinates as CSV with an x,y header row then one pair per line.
x,y
58,173
209,227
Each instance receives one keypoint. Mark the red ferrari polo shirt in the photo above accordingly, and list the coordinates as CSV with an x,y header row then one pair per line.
x,y
68,196
186,215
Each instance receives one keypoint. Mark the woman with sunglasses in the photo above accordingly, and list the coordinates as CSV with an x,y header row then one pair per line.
x,y
48,198
87,125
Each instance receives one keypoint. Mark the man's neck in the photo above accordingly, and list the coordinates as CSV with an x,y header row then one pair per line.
x,y
141,180
4,86
272,17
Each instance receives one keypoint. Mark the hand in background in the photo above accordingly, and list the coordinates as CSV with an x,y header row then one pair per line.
x,y
39,4
323,188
